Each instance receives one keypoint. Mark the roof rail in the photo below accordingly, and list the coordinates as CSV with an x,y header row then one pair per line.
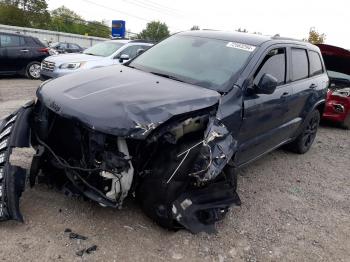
x,y
141,41
278,37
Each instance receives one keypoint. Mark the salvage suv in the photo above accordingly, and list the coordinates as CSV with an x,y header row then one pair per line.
x,y
170,127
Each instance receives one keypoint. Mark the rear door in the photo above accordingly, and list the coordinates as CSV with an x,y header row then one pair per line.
x,y
13,52
307,77
265,115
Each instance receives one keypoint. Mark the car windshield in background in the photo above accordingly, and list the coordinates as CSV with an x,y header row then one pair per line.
x,y
103,49
54,44
205,62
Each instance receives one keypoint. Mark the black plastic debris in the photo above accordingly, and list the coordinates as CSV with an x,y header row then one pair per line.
x,y
88,250
67,230
80,253
91,249
73,235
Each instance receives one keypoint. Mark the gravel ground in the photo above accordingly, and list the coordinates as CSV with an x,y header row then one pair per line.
x,y
294,208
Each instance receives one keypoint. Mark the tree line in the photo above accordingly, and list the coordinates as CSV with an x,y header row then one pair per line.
x,y
35,14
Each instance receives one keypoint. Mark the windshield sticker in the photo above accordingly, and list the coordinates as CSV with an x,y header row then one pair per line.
x,y
249,48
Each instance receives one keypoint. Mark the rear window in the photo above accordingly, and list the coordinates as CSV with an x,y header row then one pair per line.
x,y
315,63
33,41
300,65
9,41
74,46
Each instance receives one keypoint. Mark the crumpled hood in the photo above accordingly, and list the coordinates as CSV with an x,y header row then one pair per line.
x,y
122,101
77,57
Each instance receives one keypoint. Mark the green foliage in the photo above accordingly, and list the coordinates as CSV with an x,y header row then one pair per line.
x,y
28,13
315,37
34,13
12,15
242,30
195,27
154,31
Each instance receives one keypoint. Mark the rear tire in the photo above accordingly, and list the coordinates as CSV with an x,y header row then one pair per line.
x,y
304,141
33,70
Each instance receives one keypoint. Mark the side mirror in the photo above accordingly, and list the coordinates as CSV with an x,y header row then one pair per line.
x,y
140,51
123,57
267,84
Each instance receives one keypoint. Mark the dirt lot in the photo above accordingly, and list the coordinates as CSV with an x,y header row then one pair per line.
x,y
295,208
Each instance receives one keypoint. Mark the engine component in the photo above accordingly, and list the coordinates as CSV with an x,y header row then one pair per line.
x,y
121,183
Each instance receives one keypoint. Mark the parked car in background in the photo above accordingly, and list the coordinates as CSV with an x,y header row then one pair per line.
x,y
21,54
170,127
337,61
102,54
64,47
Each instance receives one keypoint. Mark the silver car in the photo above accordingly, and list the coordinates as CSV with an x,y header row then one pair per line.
x,y
102,54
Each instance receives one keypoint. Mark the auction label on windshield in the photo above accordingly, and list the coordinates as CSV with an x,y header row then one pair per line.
x,y
249,48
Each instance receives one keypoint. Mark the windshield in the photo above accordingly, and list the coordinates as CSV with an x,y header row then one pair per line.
x,y
103,49
206,62
54,44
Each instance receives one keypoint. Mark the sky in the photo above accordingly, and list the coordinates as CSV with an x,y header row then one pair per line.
x,y
292,18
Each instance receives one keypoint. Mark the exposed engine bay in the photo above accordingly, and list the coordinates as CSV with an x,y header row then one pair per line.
x,y
180,173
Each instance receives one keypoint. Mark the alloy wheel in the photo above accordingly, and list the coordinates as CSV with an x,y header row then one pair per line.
x,y
310,131
34,71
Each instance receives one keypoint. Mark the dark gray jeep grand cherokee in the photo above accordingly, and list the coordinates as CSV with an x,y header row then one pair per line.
x,y
170,127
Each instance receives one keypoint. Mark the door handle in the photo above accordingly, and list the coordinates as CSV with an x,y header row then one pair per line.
x,y
313,86
24,50
285,94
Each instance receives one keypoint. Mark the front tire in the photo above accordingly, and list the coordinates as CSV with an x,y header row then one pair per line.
x,y
33,70
304,141
346,123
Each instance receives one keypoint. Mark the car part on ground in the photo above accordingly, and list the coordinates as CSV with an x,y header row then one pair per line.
x,y
168,129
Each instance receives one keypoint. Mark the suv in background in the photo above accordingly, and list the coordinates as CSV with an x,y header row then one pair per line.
x,y
170,127
63,48
102,54
21,54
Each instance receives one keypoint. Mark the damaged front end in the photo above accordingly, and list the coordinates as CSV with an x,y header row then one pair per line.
x,y
180,173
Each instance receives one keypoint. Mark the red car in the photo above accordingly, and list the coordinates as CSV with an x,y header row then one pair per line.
x,y
337,61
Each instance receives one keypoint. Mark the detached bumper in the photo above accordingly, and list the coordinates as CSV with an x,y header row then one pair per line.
x,y
14,132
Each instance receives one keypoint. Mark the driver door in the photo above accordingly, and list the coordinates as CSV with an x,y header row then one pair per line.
x,y
265,115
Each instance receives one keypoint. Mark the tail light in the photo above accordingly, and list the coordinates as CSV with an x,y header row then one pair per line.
x,y
44,50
